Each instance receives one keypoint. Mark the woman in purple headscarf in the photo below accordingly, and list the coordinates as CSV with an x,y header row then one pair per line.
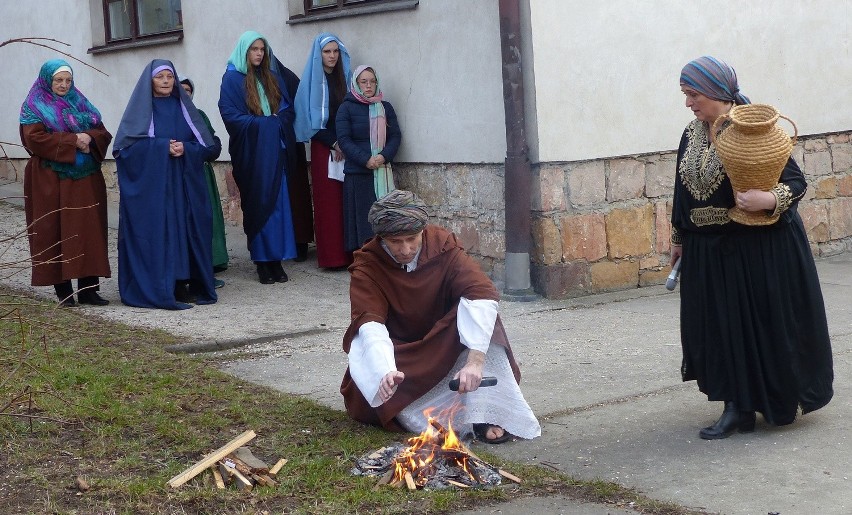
x,y
165,230
65,194
753,325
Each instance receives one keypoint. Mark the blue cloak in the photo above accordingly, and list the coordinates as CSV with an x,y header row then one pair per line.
x,y
165,232
263,149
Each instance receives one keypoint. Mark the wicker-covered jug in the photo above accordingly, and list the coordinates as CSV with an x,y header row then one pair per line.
x,y
753,150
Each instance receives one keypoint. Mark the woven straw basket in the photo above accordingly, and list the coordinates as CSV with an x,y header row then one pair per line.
x,y
753,150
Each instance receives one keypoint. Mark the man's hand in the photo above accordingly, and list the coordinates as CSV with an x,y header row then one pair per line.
x,y
471,373
388,385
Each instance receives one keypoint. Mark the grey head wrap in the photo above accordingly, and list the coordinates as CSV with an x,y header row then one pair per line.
x,y
398,212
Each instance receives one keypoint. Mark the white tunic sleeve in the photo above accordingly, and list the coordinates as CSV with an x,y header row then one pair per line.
x,y
370,359
475,322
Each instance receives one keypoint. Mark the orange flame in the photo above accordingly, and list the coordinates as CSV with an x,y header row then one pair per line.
x,y
435,442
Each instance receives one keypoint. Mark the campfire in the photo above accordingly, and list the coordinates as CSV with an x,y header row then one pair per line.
x,y
435,459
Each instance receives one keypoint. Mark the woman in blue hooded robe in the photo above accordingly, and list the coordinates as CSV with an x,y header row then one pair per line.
x,y
256,107
165,226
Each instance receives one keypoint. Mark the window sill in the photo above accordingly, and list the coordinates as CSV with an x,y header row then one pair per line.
x,y
138,43
402,5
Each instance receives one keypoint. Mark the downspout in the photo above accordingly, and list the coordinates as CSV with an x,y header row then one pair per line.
x,y
518,175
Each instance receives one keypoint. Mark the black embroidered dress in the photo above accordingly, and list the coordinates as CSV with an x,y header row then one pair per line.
x,y
753,325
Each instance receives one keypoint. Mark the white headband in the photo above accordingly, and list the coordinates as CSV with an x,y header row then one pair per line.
x,y
63,68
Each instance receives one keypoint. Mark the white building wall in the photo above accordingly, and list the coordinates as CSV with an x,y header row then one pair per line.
x,y
439,64
606,72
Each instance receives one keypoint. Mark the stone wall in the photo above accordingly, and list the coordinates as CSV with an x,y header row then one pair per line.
x,y
598,226
603,225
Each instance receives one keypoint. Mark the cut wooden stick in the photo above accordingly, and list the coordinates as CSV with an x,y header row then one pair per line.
x,y
220,453
385,479
217,477
409,481
268,481
244,481
275,468
507,475
456,483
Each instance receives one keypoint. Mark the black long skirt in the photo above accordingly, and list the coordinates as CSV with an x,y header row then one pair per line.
x,y
359,193
753,324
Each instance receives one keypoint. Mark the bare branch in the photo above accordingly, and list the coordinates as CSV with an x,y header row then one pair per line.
x,y
33,41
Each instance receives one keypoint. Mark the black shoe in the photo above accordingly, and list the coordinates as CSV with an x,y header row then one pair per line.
x,y
277,272
731,420
91,297
264,274
301,252
65,294
182,293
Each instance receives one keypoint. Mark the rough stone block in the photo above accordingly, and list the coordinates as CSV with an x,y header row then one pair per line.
x,y
492,244
649,262
815,145
841,157
826,188
844,186
653,277
817,163
629,231
584,237
587,184
838,138
660,175
467,232
561,281
626,179
663,226
815,219
546,241
840,218
614,275
549,195
489,183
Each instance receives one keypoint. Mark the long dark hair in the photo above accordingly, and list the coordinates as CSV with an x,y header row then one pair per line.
x,y
269,82
337,85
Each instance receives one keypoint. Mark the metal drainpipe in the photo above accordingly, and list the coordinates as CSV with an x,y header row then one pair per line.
x,y
518,175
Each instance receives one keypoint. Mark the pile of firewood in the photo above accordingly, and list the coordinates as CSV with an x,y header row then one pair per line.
x,y
233,464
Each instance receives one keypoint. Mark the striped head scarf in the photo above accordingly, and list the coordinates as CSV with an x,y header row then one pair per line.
x,y
714,79
383,175
398,212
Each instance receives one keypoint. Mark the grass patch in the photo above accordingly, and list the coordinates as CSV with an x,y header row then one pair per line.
x,y
105,402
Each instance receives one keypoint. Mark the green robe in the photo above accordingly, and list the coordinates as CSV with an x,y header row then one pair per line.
x,y
220,249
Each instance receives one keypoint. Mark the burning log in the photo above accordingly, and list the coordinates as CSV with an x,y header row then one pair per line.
x,y
436,459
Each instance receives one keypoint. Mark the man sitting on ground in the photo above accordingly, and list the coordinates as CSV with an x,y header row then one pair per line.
x,y
423,313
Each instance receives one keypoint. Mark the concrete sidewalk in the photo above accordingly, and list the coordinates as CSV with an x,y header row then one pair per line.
x,y
601,372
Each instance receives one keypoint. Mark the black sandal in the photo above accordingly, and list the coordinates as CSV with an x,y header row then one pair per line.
x,y
481,432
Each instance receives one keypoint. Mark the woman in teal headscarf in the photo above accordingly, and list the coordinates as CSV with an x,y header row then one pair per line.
x,y
321,91
65,194
257,109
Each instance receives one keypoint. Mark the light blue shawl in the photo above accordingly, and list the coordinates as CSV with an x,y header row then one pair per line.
x,y
312,95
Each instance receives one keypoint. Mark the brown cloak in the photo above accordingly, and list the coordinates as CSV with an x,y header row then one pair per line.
x,y
419,310
64,243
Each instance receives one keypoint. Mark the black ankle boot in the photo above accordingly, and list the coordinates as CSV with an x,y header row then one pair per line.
x,y
732,419
91,297
277,271
264,273
301,252
182,293
65,294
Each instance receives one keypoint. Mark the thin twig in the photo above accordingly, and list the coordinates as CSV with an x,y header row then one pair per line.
x,y
32,41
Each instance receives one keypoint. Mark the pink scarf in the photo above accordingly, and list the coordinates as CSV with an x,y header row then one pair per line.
x,y
383,175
